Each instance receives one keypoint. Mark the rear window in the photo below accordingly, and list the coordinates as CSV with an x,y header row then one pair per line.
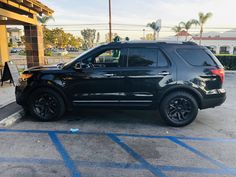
x,y
196,57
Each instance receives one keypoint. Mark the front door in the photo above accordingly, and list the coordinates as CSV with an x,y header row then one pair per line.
x,y
99,82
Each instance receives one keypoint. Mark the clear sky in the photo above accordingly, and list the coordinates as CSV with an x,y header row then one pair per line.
x,y
141,12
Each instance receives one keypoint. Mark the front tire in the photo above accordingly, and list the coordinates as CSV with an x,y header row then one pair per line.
x,y
179,109
46,105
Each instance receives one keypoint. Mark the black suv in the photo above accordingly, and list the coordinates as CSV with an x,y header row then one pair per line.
x,y
175,78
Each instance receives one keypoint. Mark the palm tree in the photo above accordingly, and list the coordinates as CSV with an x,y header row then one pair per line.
x,y
187,26
202,21
155,29
177,29
44,20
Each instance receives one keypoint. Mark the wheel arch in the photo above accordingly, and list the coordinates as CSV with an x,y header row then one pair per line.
x,y
68,105
198,97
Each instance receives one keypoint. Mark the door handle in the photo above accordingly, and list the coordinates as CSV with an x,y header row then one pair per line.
x,y
109,75
164,73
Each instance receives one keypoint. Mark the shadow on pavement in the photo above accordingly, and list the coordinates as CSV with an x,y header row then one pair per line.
x,y
145,117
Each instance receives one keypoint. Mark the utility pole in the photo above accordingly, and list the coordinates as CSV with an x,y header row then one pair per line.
x,y
144,34
110,31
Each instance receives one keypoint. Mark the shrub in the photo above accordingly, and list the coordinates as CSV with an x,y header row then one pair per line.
x,y
22,52
48,53
228,61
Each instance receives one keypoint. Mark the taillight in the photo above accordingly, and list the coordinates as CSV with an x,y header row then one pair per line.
x,y
220,73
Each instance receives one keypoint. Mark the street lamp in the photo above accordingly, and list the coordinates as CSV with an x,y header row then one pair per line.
x,y
110,32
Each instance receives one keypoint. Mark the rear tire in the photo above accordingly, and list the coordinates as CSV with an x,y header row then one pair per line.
x,y
46,105
179,109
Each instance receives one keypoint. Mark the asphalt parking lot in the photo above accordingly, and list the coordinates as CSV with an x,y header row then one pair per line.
x,y
115,143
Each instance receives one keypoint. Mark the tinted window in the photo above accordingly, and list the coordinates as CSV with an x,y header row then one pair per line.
x,y
109,56
196,57
162,60
142,57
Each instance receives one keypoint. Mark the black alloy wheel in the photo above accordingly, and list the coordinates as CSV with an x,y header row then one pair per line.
x,y
179,109
46,105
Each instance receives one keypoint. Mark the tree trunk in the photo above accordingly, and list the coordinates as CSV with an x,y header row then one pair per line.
x,y
154,35
186,36
201,31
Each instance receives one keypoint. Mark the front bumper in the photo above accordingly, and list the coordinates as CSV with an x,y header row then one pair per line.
x,y
20,93
19,96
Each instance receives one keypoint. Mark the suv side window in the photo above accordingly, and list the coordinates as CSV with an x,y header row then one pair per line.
x,y
142,57
162,59
107,58
196,57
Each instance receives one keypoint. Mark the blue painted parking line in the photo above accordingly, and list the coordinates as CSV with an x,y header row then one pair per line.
x,y
64,154
116,138
200,154
113,165
31,161
194,170
137,156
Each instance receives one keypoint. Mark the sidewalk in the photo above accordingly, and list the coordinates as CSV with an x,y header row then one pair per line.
x,y
9,109
7,94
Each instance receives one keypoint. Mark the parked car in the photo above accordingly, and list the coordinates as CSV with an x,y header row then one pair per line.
x,y
178,79
16,50
72,49
60,51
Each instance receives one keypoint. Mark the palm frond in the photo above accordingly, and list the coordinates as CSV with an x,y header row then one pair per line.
x,y
44,19
177,29
204,17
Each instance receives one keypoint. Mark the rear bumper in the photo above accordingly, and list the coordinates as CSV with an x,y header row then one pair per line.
x,y
213,101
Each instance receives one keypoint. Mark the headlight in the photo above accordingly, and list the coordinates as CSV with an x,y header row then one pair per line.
x,y
25,76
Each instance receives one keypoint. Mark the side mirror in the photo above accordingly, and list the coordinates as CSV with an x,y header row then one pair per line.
x,y
78,66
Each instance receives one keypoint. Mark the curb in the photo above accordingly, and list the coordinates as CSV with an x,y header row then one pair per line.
x,y
230,71
10,120
7,103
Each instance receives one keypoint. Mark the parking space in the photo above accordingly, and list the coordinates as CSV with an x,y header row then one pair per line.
x,y
118,143
62,153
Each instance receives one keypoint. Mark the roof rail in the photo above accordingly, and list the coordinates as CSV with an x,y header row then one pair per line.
x,y
190,43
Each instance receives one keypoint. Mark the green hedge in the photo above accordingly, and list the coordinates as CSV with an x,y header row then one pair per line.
x,y
228,61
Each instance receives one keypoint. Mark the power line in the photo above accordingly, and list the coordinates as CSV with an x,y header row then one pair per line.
x,y
131,25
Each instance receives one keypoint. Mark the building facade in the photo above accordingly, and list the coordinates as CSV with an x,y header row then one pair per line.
x,y
14,36
218,44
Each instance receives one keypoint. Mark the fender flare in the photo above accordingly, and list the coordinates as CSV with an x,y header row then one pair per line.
x,y
194,92
54,88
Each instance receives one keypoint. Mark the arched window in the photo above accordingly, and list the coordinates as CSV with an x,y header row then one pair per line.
x,y
224,49
234,51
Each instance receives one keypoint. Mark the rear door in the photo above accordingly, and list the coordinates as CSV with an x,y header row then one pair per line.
x,y
147,71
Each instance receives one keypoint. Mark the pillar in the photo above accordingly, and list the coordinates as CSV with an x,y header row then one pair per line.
x,y
218,49
231,50
34,45
4,52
